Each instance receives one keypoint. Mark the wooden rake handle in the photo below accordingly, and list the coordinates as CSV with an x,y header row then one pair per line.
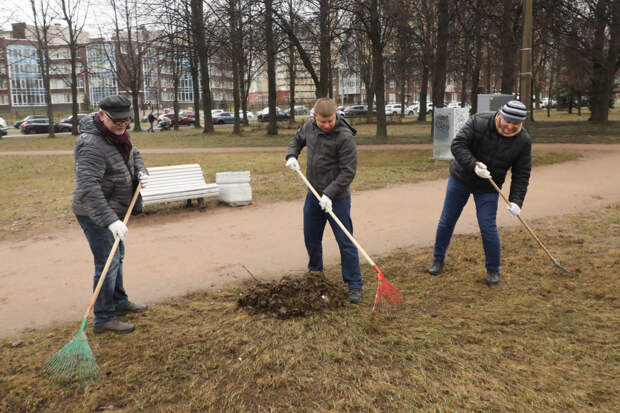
x,y
117,241
342,227
525,225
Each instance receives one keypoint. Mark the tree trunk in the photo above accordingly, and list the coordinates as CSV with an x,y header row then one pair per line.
x,y
201,51
423,93
236,50
272,129
509,51
324,48
441,55
377,63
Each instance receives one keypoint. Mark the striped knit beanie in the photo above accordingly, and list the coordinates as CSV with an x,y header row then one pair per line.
x,y
514,111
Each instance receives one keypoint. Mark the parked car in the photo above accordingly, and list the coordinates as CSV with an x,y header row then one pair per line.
x,y
249,114
223,117
263,115
164,123
80,116
544,102
355,110
42,126
183,120
3,128
393,109
301,110
411,109
17,124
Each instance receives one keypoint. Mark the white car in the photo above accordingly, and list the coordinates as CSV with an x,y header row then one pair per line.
x,y
3,128
393,109
411,109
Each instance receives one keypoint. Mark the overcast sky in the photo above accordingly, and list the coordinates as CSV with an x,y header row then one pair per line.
x,y
15,11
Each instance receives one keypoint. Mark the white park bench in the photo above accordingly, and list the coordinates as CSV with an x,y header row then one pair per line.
x,y
177,183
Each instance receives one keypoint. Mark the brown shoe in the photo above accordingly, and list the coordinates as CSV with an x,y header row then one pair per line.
x,y
116,326
131,308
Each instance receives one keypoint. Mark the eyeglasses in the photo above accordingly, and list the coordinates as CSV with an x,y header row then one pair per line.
x,y
116,121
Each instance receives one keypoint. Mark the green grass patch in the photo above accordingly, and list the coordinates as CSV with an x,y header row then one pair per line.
x,y
36,190
539,341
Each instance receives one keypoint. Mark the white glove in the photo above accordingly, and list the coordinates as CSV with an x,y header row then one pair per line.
x,y
144,178
292,163
326,203
481,170
514,209
118,229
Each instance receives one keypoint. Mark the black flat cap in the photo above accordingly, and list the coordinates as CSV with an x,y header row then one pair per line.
x,y
117,106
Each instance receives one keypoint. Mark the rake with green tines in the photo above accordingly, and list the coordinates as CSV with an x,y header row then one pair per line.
x,y
76,357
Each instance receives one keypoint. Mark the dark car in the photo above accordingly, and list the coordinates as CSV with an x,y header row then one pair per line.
x,y
355,110
18,124
223,117
42,126
263,115
80,116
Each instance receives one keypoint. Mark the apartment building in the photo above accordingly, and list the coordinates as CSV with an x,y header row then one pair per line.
x,y
21,83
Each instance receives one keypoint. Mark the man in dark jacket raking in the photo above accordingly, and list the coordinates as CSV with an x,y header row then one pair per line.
x,y
331,167
487,146
107,169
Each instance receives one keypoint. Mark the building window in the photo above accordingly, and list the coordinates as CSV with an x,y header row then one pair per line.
x,y
26,81
102,78
62,53
61,98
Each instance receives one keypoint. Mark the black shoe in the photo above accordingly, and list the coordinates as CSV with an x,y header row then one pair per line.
x,y
492,278
355,295
116,326
436,267
131,308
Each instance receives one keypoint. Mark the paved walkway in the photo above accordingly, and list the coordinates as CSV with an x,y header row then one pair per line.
x,y
48,280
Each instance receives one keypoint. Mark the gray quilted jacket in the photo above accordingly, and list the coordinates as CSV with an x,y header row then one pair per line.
x,y
332,156
103,181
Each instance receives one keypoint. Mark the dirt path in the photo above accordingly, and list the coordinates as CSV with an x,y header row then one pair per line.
x,y
48,280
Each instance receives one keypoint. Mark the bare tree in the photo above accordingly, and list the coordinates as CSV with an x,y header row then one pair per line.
x,y
270,50
198,32
42,19
75,19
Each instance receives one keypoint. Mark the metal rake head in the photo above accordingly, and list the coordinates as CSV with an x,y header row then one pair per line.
x,y
75,357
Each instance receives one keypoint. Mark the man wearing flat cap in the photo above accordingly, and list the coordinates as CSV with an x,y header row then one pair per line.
x,y
107,170
488,145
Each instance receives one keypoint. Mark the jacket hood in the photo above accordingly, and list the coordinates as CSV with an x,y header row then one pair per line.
x,y
340,126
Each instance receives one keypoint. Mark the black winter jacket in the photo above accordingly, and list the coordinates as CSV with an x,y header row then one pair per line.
x,y
479,141
103,181
332,156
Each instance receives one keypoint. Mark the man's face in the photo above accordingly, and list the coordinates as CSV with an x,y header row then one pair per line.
x,y
116,126
326,123
507,127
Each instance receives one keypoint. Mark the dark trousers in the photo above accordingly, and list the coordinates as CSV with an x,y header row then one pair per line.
x,y
112,294
314,226
457,195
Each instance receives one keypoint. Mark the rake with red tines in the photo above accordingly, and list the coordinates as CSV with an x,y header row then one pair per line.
x,y
386,292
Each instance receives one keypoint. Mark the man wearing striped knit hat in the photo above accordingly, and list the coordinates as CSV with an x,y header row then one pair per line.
x,y
487,146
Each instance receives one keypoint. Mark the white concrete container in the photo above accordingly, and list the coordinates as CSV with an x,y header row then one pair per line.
x,y
234,188
446,124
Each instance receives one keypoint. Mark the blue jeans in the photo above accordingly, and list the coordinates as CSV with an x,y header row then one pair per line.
x,y
112,294
314,226
457,195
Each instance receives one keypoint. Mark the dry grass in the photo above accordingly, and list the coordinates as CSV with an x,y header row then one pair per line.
x,y
36,190
540,341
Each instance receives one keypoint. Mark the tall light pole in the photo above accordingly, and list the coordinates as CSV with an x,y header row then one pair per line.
x,y
525,77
